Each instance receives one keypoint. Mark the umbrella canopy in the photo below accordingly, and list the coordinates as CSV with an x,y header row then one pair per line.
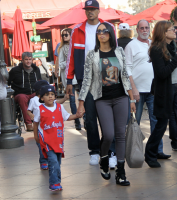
x,y
28,25
7,27
77,15
20,41
161,11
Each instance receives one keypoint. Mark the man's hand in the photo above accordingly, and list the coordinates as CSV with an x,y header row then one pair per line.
x,y
69,90
133,107
136,94
66,97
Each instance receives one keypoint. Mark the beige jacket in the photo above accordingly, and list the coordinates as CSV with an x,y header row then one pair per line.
x,y
93,78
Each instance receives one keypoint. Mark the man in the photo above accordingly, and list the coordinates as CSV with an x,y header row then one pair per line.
x,y
141,73
82,40
173,118
22,79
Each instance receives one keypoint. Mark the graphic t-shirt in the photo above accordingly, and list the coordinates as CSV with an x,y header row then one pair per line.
x,y
111,76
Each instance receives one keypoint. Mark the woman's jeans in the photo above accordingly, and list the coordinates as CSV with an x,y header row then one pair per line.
x,y
54,162
173,120
112,115
149,99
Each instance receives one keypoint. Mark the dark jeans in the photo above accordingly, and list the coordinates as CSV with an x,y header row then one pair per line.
x,y
153,142
173,119
93,138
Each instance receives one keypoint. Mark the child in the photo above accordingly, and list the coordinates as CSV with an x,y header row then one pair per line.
x,y
48,122
32,109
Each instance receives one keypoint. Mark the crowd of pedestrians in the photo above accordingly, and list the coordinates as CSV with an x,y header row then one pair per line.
x,y
112,78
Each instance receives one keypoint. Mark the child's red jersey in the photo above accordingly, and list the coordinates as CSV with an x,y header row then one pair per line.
x,y
51,130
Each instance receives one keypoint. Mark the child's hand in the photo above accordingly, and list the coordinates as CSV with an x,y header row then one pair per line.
x,y
32,116
66,97
79,114
36,138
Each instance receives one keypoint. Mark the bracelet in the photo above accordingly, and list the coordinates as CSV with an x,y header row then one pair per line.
x,y
133,101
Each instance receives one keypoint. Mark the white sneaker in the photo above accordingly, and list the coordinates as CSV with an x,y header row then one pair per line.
x,y
112,161
94,159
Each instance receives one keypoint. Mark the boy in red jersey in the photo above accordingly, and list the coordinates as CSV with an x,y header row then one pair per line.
x,y
48,124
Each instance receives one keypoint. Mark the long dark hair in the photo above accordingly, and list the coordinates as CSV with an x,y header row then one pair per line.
x,y
112,38
159,38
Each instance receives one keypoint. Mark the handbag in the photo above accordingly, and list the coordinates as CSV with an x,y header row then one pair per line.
x,y
134,144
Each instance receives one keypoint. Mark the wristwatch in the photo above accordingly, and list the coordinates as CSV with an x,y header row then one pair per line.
x,y
133,101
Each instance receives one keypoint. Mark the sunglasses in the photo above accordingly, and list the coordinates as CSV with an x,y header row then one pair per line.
x,y
65,35
104,31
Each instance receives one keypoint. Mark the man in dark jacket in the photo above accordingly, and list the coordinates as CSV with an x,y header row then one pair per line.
x,y
22,79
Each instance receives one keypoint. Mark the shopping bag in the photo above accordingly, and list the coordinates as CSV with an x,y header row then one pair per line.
x,y
134,144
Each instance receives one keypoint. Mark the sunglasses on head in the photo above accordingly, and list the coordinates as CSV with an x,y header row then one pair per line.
x,y
104,31
65,35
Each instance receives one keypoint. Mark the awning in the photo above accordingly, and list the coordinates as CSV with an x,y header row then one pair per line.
x,y
39,8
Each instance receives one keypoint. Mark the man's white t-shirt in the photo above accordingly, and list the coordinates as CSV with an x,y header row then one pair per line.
x,y
65,114
90,39
138,65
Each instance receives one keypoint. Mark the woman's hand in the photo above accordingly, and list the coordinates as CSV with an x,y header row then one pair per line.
x,y
133,107
80,110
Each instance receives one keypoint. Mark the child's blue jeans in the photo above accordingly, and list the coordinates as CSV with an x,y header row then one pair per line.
x,y
42,159
54,162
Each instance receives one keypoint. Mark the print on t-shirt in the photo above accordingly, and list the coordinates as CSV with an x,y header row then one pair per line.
x,y
110,71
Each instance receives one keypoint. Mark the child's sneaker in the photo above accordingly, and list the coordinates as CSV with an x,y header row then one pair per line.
x,y
55,187
44,166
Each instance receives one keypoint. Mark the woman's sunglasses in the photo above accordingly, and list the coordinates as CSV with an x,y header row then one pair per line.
x,y
64,35
104,31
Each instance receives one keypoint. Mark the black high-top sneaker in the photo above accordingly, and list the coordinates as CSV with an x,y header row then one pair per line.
x,y
120,174
104,166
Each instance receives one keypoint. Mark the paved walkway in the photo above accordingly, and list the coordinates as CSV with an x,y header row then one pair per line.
x,y
21,177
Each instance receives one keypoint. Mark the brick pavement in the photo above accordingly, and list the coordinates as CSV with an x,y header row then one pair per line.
x,y
21,177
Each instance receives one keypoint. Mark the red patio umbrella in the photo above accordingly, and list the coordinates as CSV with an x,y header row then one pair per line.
x,y
77,15
161,11
20,41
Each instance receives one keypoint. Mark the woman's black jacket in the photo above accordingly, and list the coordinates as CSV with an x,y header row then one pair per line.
x,y
163,94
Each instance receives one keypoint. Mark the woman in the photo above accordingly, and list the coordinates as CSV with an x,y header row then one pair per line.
x,y
62,58
111,101
162,53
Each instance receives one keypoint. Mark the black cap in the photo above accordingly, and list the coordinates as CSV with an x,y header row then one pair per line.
x,y
37,86
91,4
45,89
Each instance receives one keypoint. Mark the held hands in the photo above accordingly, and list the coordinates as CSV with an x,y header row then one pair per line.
x,y
133,107
69,90
80,111
31,116
136,94
66,97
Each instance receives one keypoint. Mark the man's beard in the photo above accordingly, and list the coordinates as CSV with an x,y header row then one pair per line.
x,y
144,37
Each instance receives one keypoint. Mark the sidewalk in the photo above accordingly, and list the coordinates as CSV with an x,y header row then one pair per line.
x,y
21,177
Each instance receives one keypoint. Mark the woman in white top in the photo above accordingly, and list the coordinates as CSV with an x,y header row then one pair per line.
x,y
62,55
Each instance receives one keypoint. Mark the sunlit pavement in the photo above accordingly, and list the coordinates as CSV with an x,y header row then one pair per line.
x,y
22,178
